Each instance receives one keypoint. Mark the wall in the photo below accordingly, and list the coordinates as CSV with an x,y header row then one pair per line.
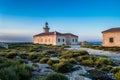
x,y
51,39
68,40
107,35
61,40
74,42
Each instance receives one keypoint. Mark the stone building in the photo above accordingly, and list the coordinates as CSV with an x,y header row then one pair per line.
x,y
55,38
84,43
111,37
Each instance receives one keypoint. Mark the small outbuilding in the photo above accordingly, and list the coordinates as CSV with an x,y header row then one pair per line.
x,y
111,37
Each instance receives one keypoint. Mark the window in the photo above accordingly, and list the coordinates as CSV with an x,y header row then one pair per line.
x,y
45,40
63,40
49,40
76,40
73,40
58,40
111,40
41,40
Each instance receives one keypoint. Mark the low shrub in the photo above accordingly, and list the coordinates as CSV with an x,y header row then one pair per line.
x,y
8,74
87,62
63,67
115,70
104,61
23,71
82,52
35,57
117,75
102,48
44,60
86,57
57,76
72,61
2,59
35,65
50,62
12,55
106,68
24,56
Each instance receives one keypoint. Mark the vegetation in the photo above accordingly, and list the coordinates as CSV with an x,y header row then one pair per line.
x,y
117,75
98,75
8,74
2,48
14,70
116,71
14,60
56,77
44,60
102,48
63,67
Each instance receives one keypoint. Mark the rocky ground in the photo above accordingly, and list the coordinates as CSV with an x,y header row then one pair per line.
x,y
113,55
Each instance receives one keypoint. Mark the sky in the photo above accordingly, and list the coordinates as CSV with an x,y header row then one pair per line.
x,y
21,19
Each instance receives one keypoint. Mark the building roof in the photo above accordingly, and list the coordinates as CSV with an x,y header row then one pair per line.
x,y
69,34
48,33
55,33
112,30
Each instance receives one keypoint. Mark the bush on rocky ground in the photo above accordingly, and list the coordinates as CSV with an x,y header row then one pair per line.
x,y
115,70
8,74
63,67
117,75
56,77
104,61
44,60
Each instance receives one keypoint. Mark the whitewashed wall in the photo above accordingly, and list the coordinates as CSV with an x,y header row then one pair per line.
x,y
61,40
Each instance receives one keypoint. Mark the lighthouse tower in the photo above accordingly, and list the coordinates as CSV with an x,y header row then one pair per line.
x,y
46,28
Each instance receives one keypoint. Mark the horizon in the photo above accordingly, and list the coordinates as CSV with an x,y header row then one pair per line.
x,y
21,19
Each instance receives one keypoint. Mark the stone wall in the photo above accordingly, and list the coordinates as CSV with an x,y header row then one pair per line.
x,y
107,36
51,39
